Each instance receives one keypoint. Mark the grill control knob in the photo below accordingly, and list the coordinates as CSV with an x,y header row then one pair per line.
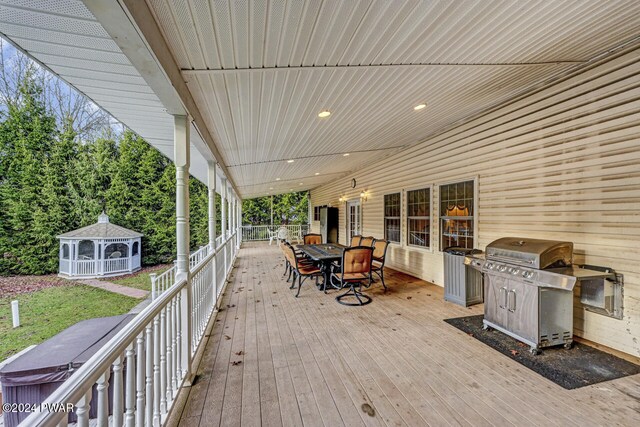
x,y
527,274
515,271
502,268
490,266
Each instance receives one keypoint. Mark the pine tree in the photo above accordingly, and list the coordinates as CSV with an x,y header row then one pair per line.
x,y
27,134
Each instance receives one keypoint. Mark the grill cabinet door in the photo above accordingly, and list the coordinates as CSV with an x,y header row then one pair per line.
x,y
522,309
495,299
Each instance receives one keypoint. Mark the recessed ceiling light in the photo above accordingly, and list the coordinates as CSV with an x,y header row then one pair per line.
x,y
290,161
324,113
317,173
419,107
277,179
345,154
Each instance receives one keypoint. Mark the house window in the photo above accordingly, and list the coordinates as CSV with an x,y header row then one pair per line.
x,y
316,212
457,212
419,217
392,217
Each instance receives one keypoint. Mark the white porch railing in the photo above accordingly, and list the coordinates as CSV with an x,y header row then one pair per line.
x,y
145,364
262,232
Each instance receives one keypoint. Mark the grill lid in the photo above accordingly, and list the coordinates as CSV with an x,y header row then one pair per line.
x,y
534,253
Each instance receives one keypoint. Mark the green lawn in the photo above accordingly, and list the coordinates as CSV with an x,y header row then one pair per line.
x,y
49,311
141,279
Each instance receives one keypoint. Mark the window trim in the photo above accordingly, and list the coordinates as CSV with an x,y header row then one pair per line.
x,y
384,231
475,215
405,217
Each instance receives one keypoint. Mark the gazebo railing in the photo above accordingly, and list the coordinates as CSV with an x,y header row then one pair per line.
x,y
142,368
115,265
84,267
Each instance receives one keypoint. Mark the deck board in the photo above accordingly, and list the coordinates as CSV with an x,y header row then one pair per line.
x,y
311,361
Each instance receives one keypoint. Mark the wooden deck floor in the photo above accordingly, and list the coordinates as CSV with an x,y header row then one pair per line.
x,y
273,360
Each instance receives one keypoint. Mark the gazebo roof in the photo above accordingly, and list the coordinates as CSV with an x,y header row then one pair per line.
x,y
103,229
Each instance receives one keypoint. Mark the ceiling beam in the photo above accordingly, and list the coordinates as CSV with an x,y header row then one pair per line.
x,y
192,71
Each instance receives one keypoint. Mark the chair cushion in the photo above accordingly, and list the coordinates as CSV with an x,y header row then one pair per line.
x,y
310,269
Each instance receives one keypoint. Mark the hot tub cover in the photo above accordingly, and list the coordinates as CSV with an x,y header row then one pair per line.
x,y
55,359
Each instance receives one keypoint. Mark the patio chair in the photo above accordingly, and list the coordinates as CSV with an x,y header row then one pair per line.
x,y
356,267
273,235
379,254
312,239
283,235
367,241
355,240
301,270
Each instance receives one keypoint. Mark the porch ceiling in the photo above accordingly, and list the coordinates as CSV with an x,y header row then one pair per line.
x,y
261,71
65,37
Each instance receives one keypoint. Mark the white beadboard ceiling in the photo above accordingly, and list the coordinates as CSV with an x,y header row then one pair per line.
x,y
260,72
65,37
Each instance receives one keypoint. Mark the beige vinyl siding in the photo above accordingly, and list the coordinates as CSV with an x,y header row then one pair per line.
x,y
562,163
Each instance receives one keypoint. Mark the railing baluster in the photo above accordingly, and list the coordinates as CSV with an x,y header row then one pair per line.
x,y
117,392
140,383
172,368
163,361
82,409
178,349
130,387
156,370
103,399
149,338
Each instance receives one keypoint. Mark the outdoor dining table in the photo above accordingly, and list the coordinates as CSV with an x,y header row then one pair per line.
x,y
324,254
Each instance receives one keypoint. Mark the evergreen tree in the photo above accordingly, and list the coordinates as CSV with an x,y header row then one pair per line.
x,y
27,135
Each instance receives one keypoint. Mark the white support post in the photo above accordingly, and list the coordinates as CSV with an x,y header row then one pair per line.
x,y
212,229
239,220
223,222
182,161
223,209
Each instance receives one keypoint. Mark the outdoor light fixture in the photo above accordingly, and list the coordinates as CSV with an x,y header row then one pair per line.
x,y
345,154
290,161
364,195
300,184
341,199
277,179
324,113
419,107
317,173
270,188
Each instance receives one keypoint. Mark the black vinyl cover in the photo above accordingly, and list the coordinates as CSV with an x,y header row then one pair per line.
x,y
52,360
456,250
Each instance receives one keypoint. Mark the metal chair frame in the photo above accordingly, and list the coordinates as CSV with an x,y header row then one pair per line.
x,y
353,283
379,270
297,274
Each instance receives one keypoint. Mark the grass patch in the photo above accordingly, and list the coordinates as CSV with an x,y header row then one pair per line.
x,y
140,279
45,313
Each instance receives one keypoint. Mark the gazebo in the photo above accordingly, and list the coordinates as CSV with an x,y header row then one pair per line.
x,y
99,250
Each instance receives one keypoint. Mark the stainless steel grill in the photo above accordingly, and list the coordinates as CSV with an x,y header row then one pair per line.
x,y
528,289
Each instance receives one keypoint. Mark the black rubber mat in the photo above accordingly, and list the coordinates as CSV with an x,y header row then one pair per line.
x,y
577,367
